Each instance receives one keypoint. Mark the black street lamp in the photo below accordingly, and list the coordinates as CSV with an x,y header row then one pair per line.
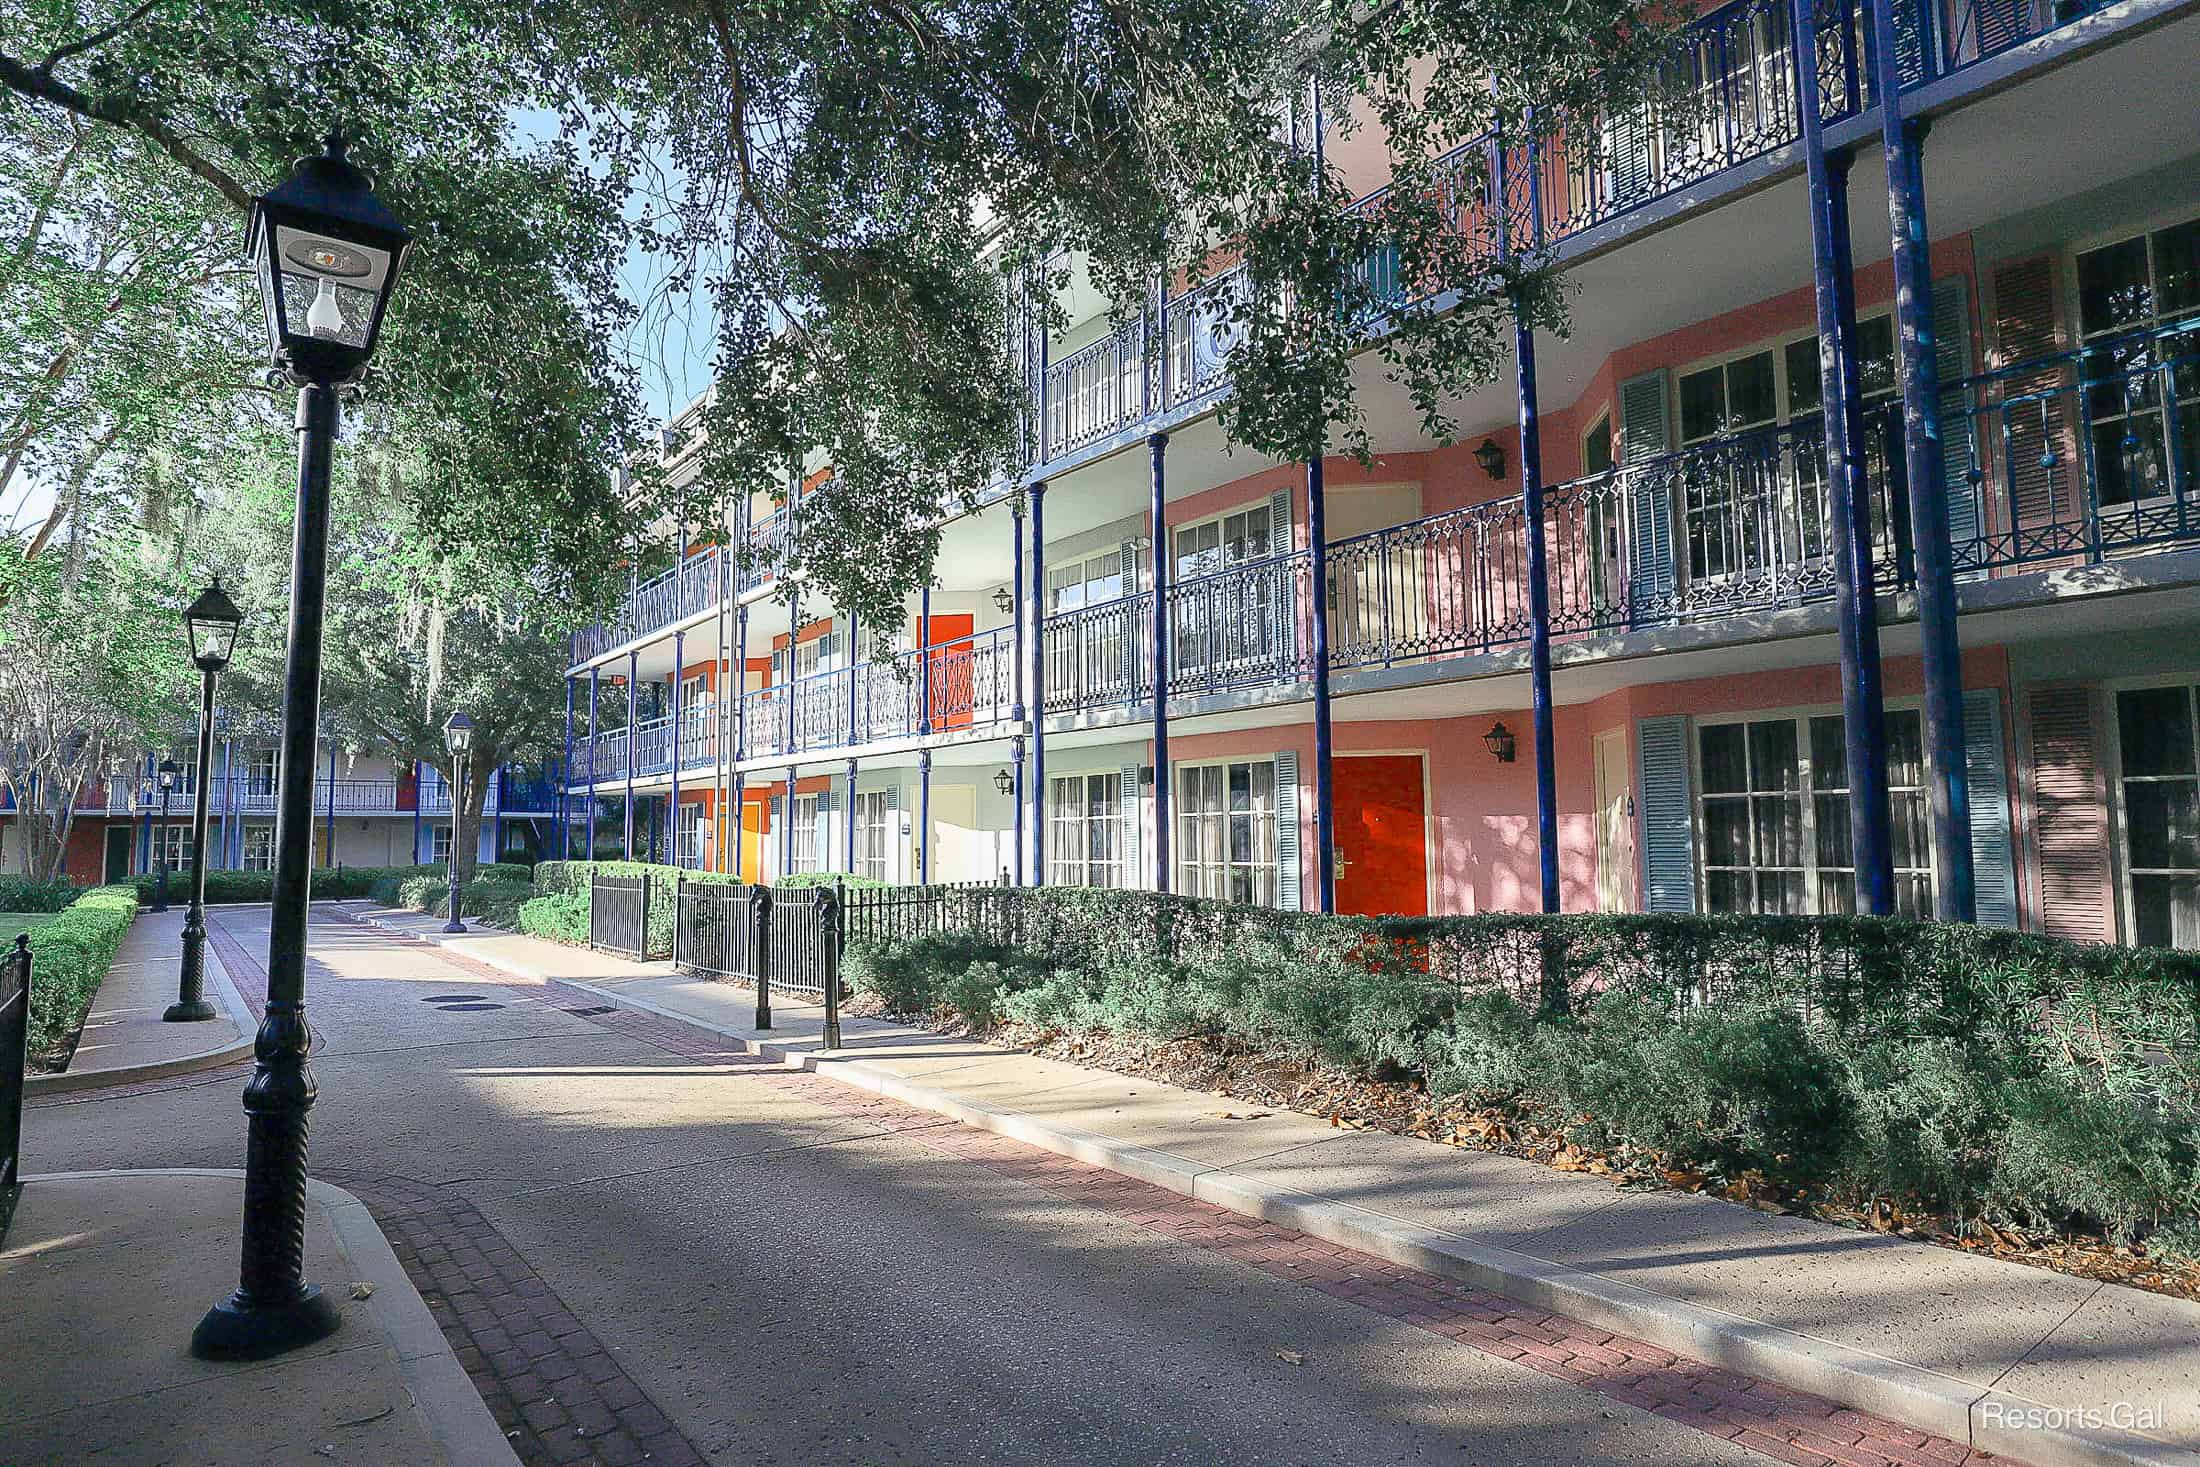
x,y
168,772
211,623
458,737
327,253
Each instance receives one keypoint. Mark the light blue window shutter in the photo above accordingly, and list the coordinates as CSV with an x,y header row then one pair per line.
x,y
1283,614
1287,831
1665,814
1961,454
825,830
1644,436
1993,868
892,851
1126,629
1134,872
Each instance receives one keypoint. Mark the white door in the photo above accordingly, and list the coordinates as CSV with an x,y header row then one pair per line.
x,y
1615,824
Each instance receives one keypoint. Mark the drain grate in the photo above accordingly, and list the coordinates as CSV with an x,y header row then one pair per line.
x,y
591,1011
460,1003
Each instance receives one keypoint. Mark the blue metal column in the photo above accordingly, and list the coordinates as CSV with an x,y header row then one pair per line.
x,y
1955,889
1325,814
794,638
1531,511
736,836
633,716
222,862
331,860
592,689
1863,704
672,813
1016,803
1317,541
924,660
1016,580
854,686
740,677
1035,609
1157,527
924,817
565,773
848,824
417,783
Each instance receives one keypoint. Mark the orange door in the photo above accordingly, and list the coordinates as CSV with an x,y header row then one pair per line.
x,y
1382,855
952,668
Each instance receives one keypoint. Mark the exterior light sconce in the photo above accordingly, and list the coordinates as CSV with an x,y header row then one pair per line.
x,y
1499,741
1491,458
1003,781
1004,600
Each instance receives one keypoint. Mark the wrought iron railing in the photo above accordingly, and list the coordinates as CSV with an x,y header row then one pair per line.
x,y
618,914
1099,656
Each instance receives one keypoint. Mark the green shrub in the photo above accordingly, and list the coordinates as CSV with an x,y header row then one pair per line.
x,y
560,917
24,894
70,955
329,883
1954,1069
494,900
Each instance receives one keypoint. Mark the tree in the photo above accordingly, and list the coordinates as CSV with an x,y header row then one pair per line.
x,y
406,640
882,193
130,149
92,670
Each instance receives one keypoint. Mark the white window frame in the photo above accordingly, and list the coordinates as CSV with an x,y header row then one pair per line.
x,y
1190,871
2119,839
803,853
1809,793
256,851
1071,833
439,845
875,828
261,768
173,838
688,835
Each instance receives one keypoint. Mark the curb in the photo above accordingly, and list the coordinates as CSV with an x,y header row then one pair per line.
x,y
1909,1394
460,1423
239,1047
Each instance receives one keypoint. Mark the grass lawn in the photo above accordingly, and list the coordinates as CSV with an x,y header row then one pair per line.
x,y
14,922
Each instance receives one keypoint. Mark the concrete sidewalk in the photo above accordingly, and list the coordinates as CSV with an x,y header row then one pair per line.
x,y
106,1273
2016,1360
125,1038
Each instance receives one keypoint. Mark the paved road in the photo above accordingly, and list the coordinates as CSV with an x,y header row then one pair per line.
x,y
794,1280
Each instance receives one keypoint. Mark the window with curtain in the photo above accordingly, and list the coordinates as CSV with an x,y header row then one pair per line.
x,y
1774,807
2124,288
1226,831
804,834
1085,830
172,843
2160,788
259,847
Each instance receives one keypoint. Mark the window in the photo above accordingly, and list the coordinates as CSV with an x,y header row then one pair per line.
x,y
690,853
694,692
2160,783
1805,395
1086,582
872,810
2123,289
1226,831
1231,620
259,847
439,844
1603,529
1085,830
1090,658
259,771
1775,812
804,842
172,844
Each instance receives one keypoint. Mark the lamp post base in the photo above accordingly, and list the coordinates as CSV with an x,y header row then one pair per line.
x,y
239,1329
454,925
188,1011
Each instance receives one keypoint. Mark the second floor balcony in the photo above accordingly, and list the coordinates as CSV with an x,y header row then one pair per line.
x,y
2085,458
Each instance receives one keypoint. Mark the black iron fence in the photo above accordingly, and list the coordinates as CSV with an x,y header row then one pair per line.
x,y
618,915
15,1033
900,913
787,940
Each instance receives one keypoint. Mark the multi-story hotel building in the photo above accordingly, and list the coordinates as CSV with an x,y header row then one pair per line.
x,y
368,811
1699,755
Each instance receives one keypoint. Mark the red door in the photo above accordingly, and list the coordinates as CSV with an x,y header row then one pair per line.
x,y
953,668
1382,835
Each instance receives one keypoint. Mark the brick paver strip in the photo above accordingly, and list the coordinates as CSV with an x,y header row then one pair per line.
x,y
437,1228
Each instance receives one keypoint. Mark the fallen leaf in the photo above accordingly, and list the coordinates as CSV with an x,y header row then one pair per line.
x,y
1291,1357
362,1291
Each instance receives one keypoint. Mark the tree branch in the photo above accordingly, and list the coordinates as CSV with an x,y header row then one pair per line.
x,y
97,38
42,86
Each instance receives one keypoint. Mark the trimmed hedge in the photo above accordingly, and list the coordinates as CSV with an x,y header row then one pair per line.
x,y
495,901
329,883
27,894
70,955
1951,1068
